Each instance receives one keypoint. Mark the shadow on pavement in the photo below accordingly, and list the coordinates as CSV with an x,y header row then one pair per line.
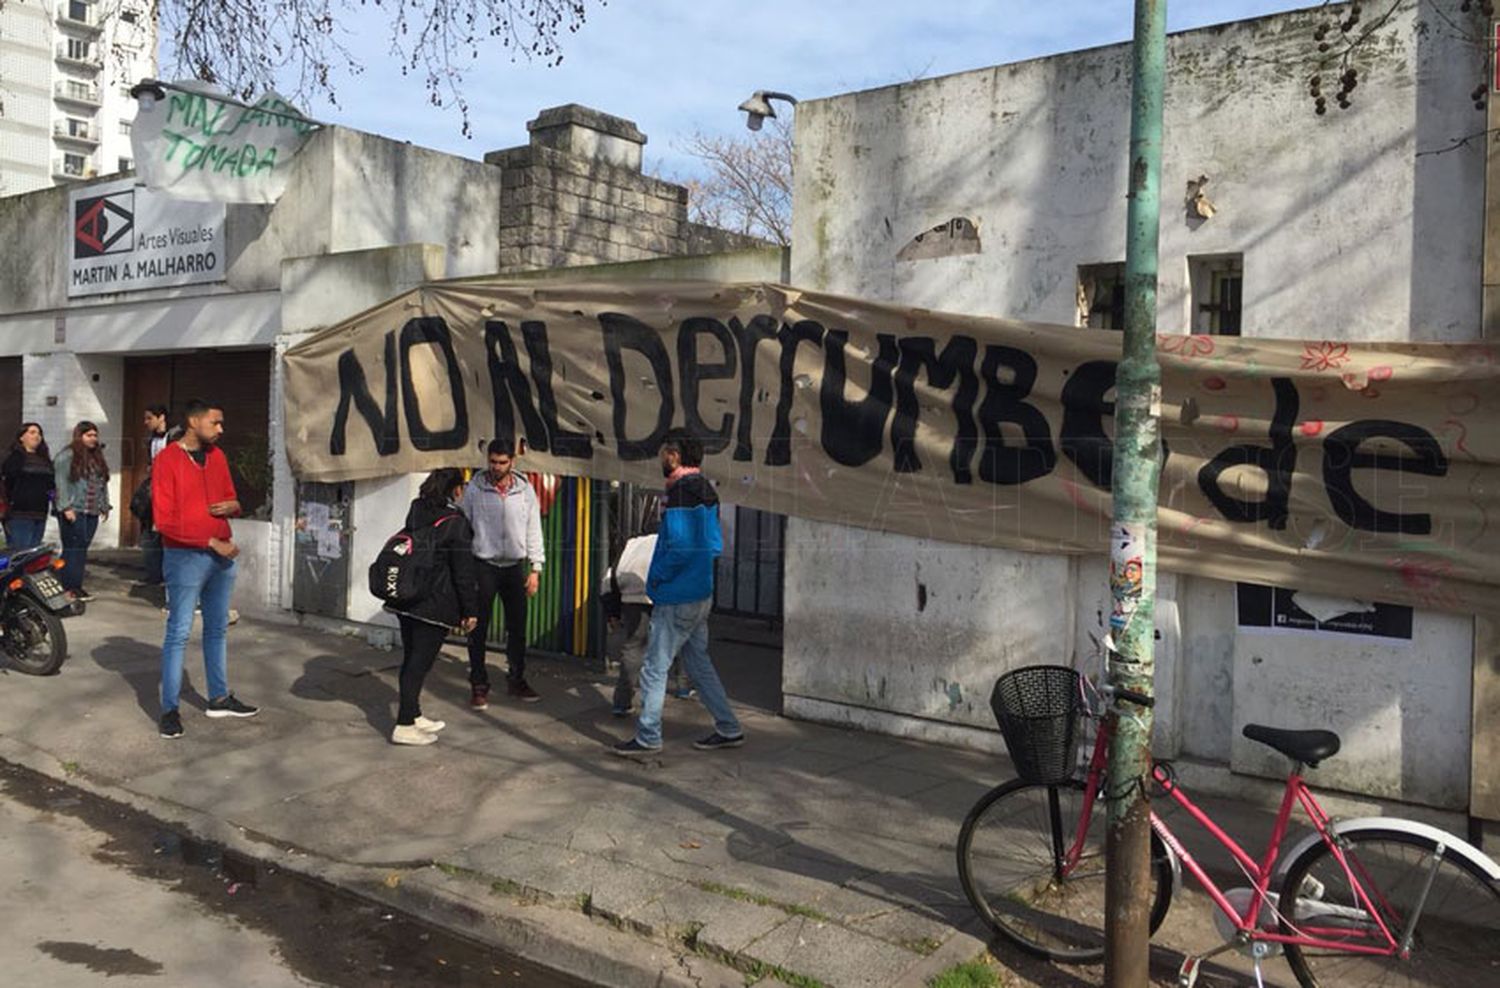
x,y
139,664
333,678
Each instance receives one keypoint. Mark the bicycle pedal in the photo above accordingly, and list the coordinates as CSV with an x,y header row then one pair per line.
x,y
1187,975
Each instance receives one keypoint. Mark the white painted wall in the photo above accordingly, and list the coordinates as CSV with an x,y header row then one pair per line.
x,y
1347,230
63,389
351,197
317,292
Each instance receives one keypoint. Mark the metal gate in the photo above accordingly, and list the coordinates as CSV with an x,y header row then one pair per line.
x,y
748,576
566,615
324,532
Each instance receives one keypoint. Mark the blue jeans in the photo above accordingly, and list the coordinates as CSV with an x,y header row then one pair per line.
x,y
196,576
76,537
685,627
26,533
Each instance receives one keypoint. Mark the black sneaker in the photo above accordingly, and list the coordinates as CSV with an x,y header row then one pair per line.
x,y
171,725
228,706
521,691
715,741
82,596
634,749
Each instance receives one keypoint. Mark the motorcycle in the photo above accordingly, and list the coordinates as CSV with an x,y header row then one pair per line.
x,y
32,602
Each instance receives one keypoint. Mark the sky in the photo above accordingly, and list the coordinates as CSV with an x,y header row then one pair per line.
x,y
680,66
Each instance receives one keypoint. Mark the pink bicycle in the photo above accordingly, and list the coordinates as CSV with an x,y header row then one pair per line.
x,y
1380,901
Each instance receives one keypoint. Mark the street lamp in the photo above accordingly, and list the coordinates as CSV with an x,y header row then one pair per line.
x,y
758,107
147,92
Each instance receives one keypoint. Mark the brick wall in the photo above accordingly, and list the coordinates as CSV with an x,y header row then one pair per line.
x,y
576,195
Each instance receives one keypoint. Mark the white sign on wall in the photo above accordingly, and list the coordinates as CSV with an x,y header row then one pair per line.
x,y
127,239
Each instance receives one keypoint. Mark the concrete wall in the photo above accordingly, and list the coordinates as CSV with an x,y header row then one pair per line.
x,y
1346,229
763,263
317,292
347,191
63,389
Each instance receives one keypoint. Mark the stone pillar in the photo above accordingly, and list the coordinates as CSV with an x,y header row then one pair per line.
x,y
575,195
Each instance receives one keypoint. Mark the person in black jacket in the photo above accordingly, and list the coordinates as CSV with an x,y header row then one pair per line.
x,y
28,480
451,604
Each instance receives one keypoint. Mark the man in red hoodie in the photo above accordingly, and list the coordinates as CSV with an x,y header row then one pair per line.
x,y
192,500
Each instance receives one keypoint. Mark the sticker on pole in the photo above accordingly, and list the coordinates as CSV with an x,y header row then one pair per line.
x,y
1127,572
1495,58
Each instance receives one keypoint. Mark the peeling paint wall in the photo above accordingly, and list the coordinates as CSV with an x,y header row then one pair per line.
x,y
1349,225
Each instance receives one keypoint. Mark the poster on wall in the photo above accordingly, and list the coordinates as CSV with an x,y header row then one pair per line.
x,y
128,239
1280,609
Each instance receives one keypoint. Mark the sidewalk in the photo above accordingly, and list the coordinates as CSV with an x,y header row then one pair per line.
x,y
813,855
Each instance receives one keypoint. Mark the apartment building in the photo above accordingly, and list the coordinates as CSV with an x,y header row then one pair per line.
x,y
66,68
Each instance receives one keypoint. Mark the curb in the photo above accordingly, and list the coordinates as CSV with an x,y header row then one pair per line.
x,y
561,940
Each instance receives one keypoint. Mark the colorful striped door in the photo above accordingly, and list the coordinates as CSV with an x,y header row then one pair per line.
x,y
565,615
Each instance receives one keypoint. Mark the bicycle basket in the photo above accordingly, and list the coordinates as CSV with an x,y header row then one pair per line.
x,y
1037,708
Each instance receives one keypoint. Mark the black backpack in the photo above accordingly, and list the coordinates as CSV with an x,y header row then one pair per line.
x,y
140,501
402,573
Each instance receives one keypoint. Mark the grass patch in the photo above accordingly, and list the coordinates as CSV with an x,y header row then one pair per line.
x,y
504,886
743,895
926,946
71,768
759,971
583,900
455,871
970,974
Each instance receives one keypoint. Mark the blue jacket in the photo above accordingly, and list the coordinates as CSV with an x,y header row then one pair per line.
x,y
688,542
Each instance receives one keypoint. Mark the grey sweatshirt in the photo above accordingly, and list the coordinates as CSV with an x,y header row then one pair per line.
x,y
507,523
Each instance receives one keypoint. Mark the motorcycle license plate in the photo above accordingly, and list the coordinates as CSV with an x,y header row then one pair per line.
x,y
49,589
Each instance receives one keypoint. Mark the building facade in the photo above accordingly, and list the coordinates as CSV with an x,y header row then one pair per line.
x,y
1361,224
363,218
66,68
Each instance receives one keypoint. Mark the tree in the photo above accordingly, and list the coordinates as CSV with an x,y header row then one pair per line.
x,y
1347,42
747,185
296,46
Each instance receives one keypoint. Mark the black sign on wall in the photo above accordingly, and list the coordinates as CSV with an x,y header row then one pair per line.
x,y
1274,608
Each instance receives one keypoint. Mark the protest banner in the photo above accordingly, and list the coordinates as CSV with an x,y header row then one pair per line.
x,y
205,146
1351,469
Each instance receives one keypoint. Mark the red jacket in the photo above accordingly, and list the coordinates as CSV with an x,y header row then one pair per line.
x,y
181,492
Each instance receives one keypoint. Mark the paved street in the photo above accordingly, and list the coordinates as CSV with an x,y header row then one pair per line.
x,y
91,891
73,920
820,853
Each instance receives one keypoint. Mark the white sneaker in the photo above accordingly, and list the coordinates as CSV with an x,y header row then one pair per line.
x,y
411,734
429,725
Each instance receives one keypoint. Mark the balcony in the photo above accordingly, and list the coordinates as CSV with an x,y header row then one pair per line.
x,y
80,15
68,169
78,133
88,57
81,93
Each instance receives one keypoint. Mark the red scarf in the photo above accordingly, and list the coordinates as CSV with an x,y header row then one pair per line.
x,y
681,472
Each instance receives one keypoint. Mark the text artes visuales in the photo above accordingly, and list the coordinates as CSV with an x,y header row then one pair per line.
x,y
1356,463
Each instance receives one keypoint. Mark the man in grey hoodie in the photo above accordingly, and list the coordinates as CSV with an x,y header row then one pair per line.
x,y
507,520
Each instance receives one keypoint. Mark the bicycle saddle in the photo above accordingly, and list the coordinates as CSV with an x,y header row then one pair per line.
x,y
1308,747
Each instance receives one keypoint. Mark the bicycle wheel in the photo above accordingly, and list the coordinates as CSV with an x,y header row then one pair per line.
x,y
1008,863
1457,938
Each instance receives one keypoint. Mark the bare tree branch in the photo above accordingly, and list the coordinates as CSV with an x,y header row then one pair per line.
x,y
748,185
297,46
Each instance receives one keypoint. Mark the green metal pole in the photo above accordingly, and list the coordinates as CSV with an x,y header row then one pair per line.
x,y
1132,567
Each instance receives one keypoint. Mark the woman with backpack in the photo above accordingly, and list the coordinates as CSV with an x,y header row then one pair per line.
x,y
26,476
82,479
450,604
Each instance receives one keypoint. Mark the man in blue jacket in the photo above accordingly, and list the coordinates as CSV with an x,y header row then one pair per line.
x,y
680,584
